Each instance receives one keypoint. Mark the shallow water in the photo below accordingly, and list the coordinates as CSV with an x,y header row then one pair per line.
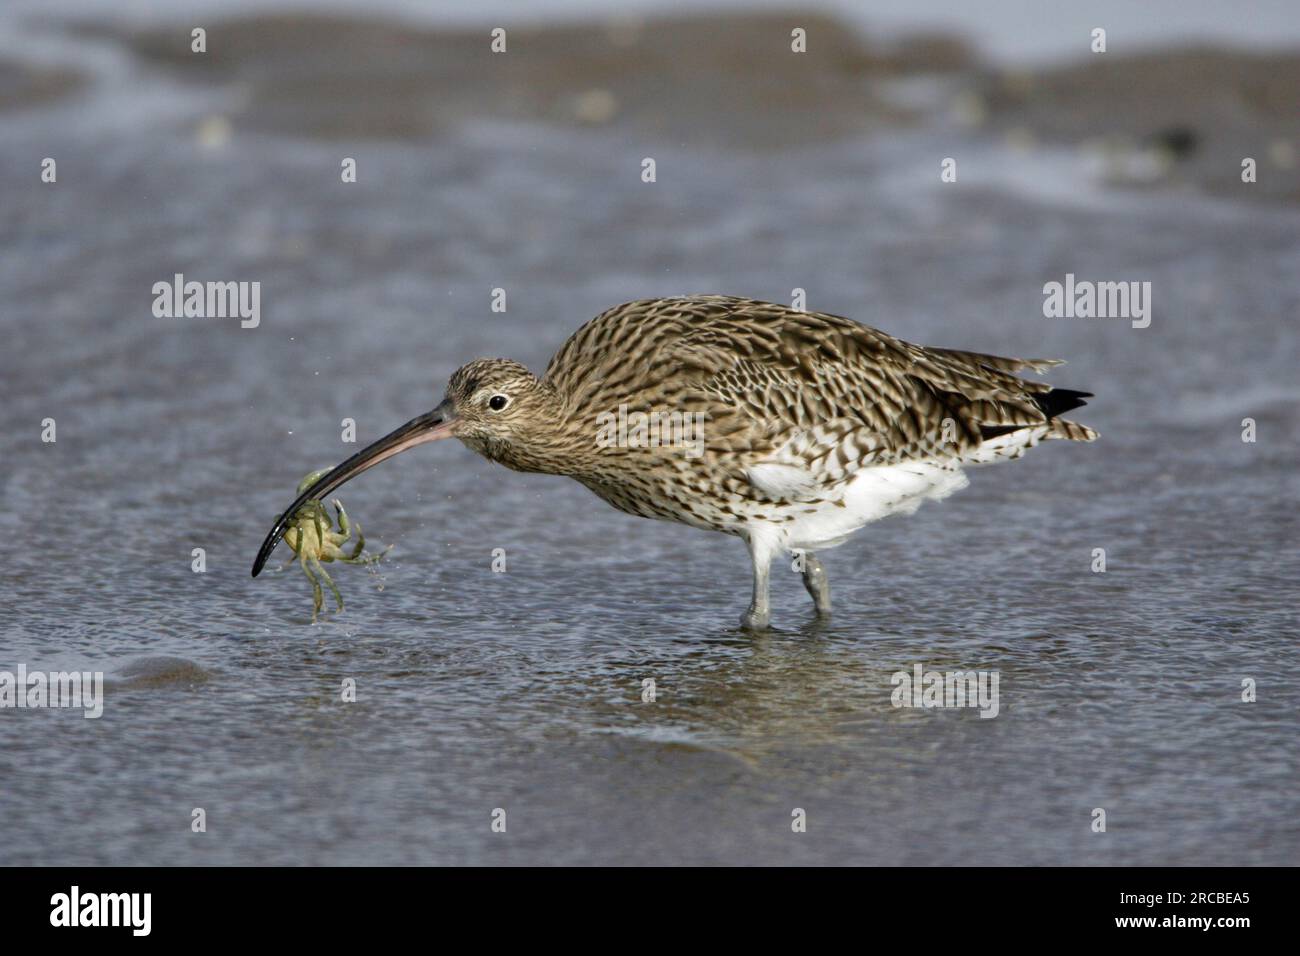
x,y
521,690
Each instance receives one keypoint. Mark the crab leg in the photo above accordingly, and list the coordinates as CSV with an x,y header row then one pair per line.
x,y
318,599
316,566
345,527
357,558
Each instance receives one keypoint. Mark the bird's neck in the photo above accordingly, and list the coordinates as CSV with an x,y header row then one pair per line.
x,y
531,455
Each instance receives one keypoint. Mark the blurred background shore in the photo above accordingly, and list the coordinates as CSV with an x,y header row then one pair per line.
x,y
1178,95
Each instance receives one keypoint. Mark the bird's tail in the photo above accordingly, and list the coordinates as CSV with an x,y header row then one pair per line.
x,y
1058,401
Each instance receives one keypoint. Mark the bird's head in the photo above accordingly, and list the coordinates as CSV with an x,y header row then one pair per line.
x,y
498,405
493,405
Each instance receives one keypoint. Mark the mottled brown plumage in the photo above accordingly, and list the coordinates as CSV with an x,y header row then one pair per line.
x,y
791,428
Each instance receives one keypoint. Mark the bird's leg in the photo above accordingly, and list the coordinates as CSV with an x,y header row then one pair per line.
x,y
818,585
759,613
318,599
338,598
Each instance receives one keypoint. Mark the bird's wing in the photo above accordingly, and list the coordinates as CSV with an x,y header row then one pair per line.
x,y
796,402
803,400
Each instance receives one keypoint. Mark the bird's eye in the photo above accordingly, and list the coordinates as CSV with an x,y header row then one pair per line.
x,y
498,402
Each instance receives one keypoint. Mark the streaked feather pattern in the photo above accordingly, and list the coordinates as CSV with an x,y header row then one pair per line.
x,y
798,404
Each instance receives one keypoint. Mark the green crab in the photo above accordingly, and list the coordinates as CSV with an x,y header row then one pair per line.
x,y
313,539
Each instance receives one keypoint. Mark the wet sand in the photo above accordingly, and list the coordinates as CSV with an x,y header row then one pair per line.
x,y
23,86
1181,119
731,80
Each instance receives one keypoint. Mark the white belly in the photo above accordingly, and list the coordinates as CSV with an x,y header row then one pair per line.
x,y
872,494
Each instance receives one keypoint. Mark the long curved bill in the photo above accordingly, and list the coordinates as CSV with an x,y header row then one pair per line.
x,y
430,426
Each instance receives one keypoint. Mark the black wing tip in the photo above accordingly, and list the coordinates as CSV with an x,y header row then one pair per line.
x,y
1053,403
1060,400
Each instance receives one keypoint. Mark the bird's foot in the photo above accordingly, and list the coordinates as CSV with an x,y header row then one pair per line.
x,y
755,619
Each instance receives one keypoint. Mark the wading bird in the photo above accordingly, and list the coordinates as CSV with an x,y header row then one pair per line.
x,y
805,426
